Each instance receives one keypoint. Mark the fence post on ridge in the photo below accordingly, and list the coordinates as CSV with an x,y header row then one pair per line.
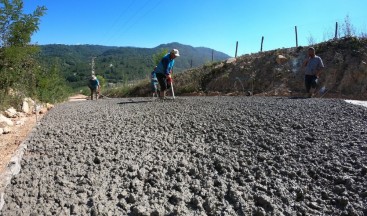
x,y
262,42
336,31
236,49
295,30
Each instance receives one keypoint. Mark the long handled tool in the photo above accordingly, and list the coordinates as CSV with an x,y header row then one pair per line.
x,y
171,83
173,92
324,91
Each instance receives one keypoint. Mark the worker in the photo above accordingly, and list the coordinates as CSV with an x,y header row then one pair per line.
x,y
313,65
164,69
154,83
94,87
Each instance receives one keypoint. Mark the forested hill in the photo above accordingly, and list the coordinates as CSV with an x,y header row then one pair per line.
x,y
119,64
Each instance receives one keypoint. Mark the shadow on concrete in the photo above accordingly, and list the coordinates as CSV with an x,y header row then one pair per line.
x,y
298,98
134,102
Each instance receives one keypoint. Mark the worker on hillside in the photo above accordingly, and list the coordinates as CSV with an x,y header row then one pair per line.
x,y
154,83
94,87
164,69
313,65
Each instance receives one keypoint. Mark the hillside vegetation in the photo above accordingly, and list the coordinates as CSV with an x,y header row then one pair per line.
x,y
119,64
21,74
345,73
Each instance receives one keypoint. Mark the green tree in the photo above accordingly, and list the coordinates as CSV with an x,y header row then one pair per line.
x,y
16,28
17,63
50,86
159,55
102,81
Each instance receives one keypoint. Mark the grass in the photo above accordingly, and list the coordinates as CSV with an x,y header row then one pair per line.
x,y
140,88
82,90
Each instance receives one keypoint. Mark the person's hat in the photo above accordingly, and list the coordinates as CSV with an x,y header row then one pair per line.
x,y
175,52
94,77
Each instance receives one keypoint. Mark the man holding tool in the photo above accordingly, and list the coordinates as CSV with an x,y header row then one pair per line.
x,y
163,71
313,65
94,87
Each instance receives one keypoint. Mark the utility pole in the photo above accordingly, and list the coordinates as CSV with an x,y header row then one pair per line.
x,y
262,42
212,55
93,65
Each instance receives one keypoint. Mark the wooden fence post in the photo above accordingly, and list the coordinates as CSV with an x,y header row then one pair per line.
x,y
262,42
336,31
236,49
295,30
212,55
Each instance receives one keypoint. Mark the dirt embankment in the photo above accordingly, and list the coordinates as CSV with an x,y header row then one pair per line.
x,y
10,142
214,156
345,73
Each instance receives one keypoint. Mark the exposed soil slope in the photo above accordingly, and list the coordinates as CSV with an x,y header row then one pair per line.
x,y
345,73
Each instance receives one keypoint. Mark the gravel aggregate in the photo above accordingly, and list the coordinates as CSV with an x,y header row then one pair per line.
x,y
195,156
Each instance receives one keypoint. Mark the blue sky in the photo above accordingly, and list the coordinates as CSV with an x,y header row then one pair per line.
x,y
216,24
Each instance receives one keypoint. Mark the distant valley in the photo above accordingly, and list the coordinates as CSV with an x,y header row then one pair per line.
x,y
119,64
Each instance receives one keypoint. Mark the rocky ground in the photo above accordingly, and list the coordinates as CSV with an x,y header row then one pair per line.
x,y
15,125
10,142
195,156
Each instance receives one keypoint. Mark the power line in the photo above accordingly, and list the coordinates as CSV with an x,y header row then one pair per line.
x,y
154,7
126,28
128,20
117,20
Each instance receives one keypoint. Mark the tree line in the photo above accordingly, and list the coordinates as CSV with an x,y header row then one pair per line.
x,y
120,64
22,75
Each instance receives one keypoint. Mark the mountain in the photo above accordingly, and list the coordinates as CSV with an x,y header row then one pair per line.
x,y
117,64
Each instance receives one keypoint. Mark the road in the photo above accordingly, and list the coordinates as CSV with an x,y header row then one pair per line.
x,y
195,156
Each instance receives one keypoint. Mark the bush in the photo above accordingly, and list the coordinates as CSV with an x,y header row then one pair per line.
x,y
347,27
102,81
82,90
157,57
9,101
51,87
19,69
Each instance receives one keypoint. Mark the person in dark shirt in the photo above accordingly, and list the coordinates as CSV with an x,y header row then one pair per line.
x,y
94,87
313,66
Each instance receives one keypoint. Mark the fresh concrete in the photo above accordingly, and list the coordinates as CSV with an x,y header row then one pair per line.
x,y
195,156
